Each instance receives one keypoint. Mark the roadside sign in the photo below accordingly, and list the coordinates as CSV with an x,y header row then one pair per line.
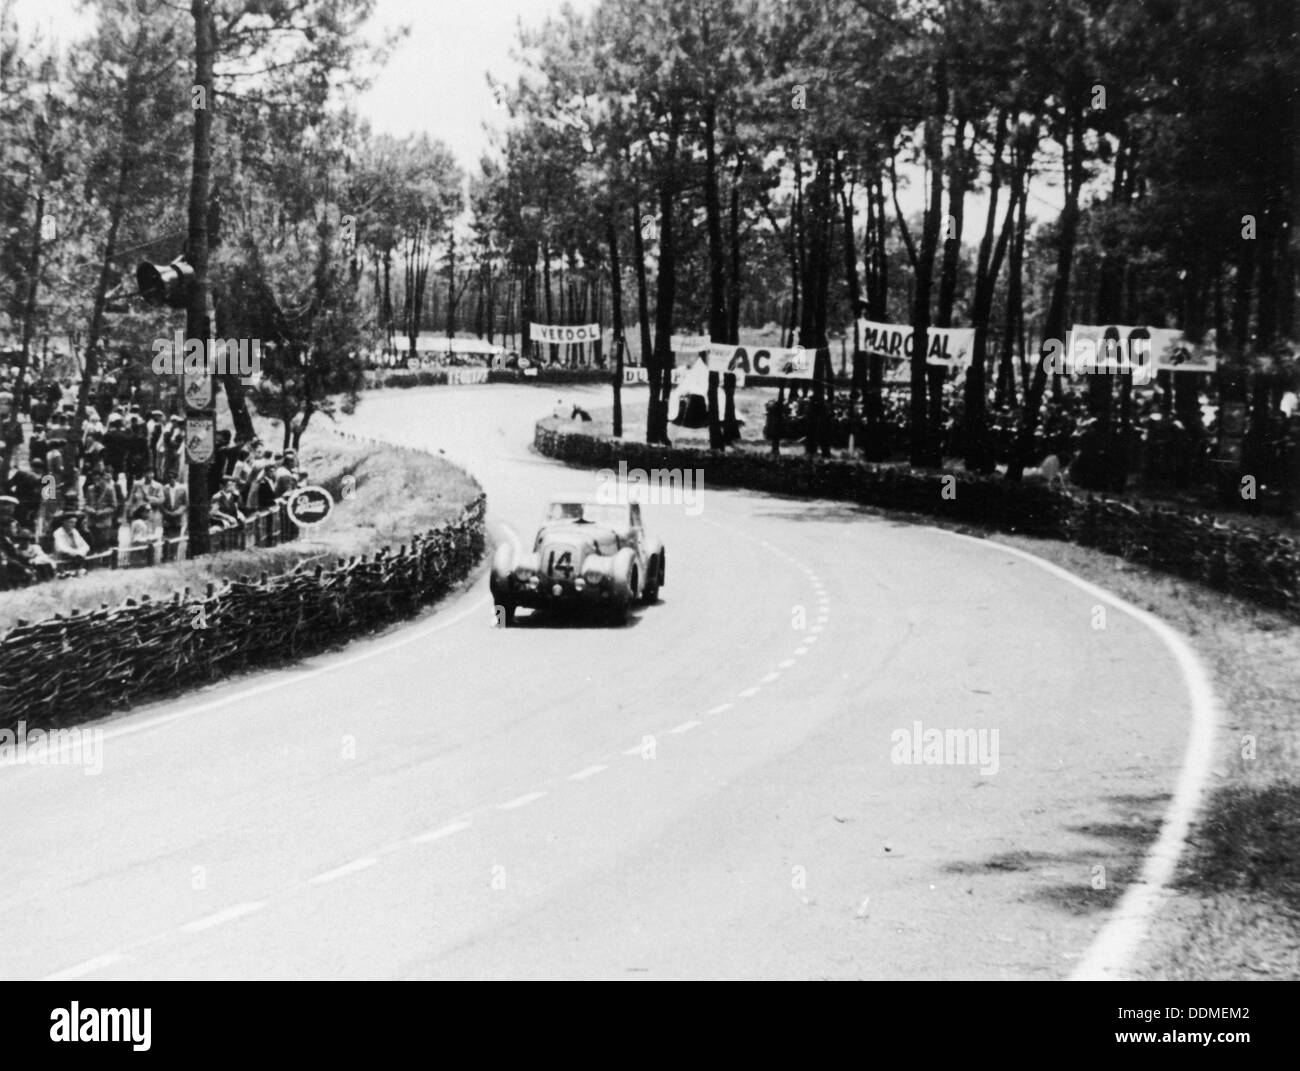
x,y
310,505
200,437
196,388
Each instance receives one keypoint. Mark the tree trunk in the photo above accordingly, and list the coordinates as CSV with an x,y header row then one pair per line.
x,y
196,313
616,289
1054,327
924,453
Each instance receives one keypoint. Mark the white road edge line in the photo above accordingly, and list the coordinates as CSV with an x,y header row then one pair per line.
x,y
520,801
87,967
685,727
343,871
438,834
1113,948
747,693
589,771
228,914
719,708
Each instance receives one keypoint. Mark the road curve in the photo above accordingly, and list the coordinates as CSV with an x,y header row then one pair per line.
x,y
712,790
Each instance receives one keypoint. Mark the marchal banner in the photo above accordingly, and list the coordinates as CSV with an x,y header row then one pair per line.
x,y
948,346
564,334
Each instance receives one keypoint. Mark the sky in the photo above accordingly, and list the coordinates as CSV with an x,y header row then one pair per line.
x,y
434,81
436,78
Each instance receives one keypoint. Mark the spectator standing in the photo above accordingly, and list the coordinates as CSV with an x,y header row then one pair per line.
x,y
153,495
137,452
25,486
103,501
173,448
261,491
225,506
36,445
115,443
285,478
175,508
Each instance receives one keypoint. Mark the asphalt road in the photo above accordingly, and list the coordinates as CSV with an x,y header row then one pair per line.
x,y
708,791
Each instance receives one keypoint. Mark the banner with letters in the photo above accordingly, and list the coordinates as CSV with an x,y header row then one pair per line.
x,y
948,346
690,343
756,361
1114,348
564,334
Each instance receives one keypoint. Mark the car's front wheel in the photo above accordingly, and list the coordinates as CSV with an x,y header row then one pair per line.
x,y
653,569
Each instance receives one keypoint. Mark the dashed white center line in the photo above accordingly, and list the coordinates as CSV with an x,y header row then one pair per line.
x,y
343,871
771,677
438,834
520,801
748,692
786,664
719,708
801,650
685,727
589,771
88,967
227,915
810,639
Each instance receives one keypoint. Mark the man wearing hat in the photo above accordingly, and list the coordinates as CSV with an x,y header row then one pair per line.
x,y
70,546
103,501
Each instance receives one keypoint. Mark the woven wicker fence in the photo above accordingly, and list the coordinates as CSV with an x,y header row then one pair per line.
x,y
69,669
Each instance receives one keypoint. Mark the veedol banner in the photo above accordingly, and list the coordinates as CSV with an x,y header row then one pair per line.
x,y
1140,350
948,346
691,343
564,334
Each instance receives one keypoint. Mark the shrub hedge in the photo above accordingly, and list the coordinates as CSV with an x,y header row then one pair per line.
x,y
1258,565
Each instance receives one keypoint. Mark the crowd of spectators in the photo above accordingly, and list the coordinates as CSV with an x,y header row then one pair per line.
x,y
127,488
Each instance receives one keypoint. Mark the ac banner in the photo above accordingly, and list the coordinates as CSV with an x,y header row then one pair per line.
x,y
747,361
564,335
950,347
1143,351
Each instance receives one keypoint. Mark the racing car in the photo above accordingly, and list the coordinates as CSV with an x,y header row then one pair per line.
x,y
587,554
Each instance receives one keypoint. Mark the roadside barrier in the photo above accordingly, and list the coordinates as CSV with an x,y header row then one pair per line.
x,y
70,669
